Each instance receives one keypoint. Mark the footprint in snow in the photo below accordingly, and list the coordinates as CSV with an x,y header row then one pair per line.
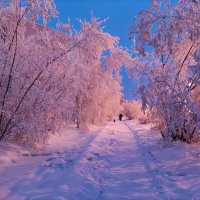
x,y
175,174
94,156
90,158
113,142
57,163
99,197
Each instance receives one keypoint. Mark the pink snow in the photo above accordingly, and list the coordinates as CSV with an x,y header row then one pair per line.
x,y
119,161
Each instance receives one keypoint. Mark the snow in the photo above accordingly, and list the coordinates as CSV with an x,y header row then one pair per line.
x,y
10,153
119,161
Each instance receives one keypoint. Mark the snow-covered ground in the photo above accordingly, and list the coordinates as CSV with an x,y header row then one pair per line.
x,y
120,161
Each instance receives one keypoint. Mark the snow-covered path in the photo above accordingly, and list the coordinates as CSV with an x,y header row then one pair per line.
x,y
115,165
121,161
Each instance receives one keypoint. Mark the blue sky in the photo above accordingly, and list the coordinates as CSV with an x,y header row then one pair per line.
x,y
120,13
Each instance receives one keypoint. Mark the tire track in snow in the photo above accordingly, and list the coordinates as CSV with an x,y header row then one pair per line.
x,y
87,182
144,154
92,163
163,175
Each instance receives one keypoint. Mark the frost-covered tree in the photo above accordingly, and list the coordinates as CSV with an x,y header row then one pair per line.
x,y
49,77
133,110
168,40
15,82
98,98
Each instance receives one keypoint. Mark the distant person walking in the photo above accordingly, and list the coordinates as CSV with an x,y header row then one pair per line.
x,y
120,117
